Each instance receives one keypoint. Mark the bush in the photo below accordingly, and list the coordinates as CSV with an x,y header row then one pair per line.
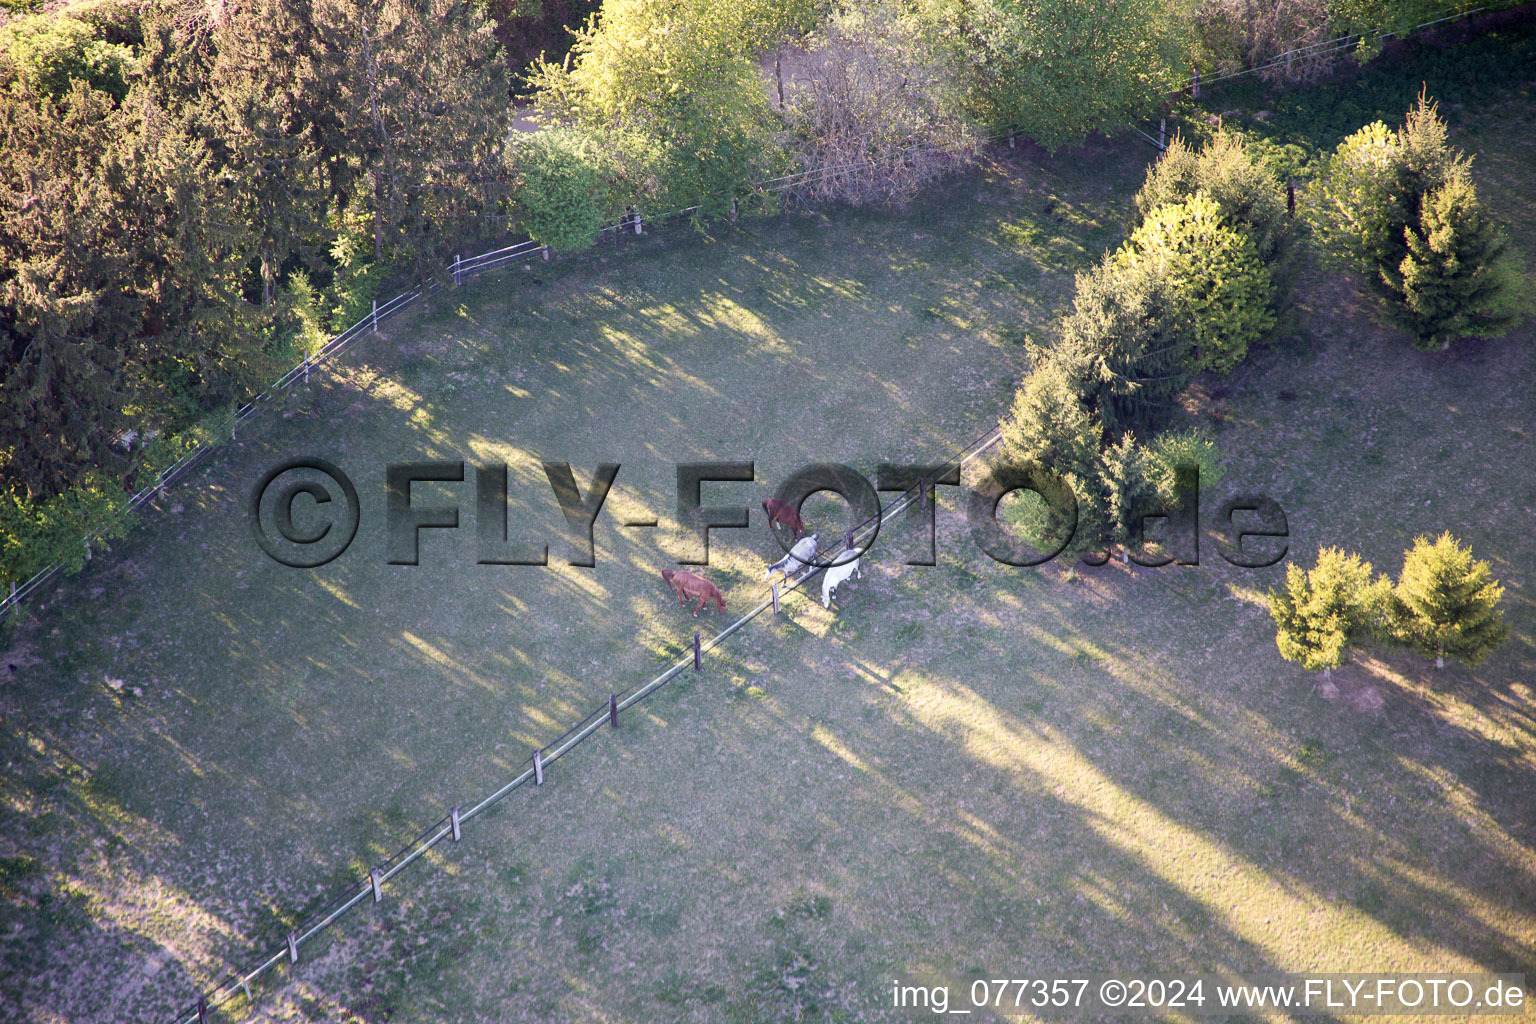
x,y
674,85
562,195
1057,72
37,534
1238,34
1174,448
1226,291
49,53
872,103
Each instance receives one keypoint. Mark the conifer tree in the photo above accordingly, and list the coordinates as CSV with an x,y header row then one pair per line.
x,y
1130,492
1371,189
1448,603
1245,189
1048,427
271,104
425,96
1125,344
1321,610
119,259
1459,277
1223,288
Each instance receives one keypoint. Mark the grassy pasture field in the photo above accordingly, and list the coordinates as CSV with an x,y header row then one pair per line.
x,y
964,767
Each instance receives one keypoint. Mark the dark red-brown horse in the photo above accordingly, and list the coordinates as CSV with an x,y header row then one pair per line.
x,y
783,512
686,585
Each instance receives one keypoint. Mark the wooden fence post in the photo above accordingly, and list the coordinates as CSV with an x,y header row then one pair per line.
x,y
1195,89
778,73
455,270
638,230
545,251
453,822
375,316
613,710
202,1010
698,653
1162,135
775,587
373,880
293,948
538,768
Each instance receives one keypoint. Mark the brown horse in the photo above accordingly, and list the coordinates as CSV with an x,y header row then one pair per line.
x,y
784,512
686,585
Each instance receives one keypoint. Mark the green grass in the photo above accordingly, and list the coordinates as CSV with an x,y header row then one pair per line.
x,y
957,768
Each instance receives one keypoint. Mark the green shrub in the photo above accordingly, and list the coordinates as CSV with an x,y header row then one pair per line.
x,y
37,534
1174,448
1217,274
1058,72
674,88
563,192
303,304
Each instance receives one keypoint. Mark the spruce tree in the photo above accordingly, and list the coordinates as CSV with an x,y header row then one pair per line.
x,y
1448,603
1222,287
1459,277
1321,610
1247,191
271,108
424,94
1125,344
1049,427
1130,491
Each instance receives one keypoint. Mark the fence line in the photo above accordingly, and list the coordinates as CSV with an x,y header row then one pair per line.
x,y
372,884
1325,48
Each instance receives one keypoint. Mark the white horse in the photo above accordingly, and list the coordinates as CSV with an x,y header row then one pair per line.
x,y
836,573
796,560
